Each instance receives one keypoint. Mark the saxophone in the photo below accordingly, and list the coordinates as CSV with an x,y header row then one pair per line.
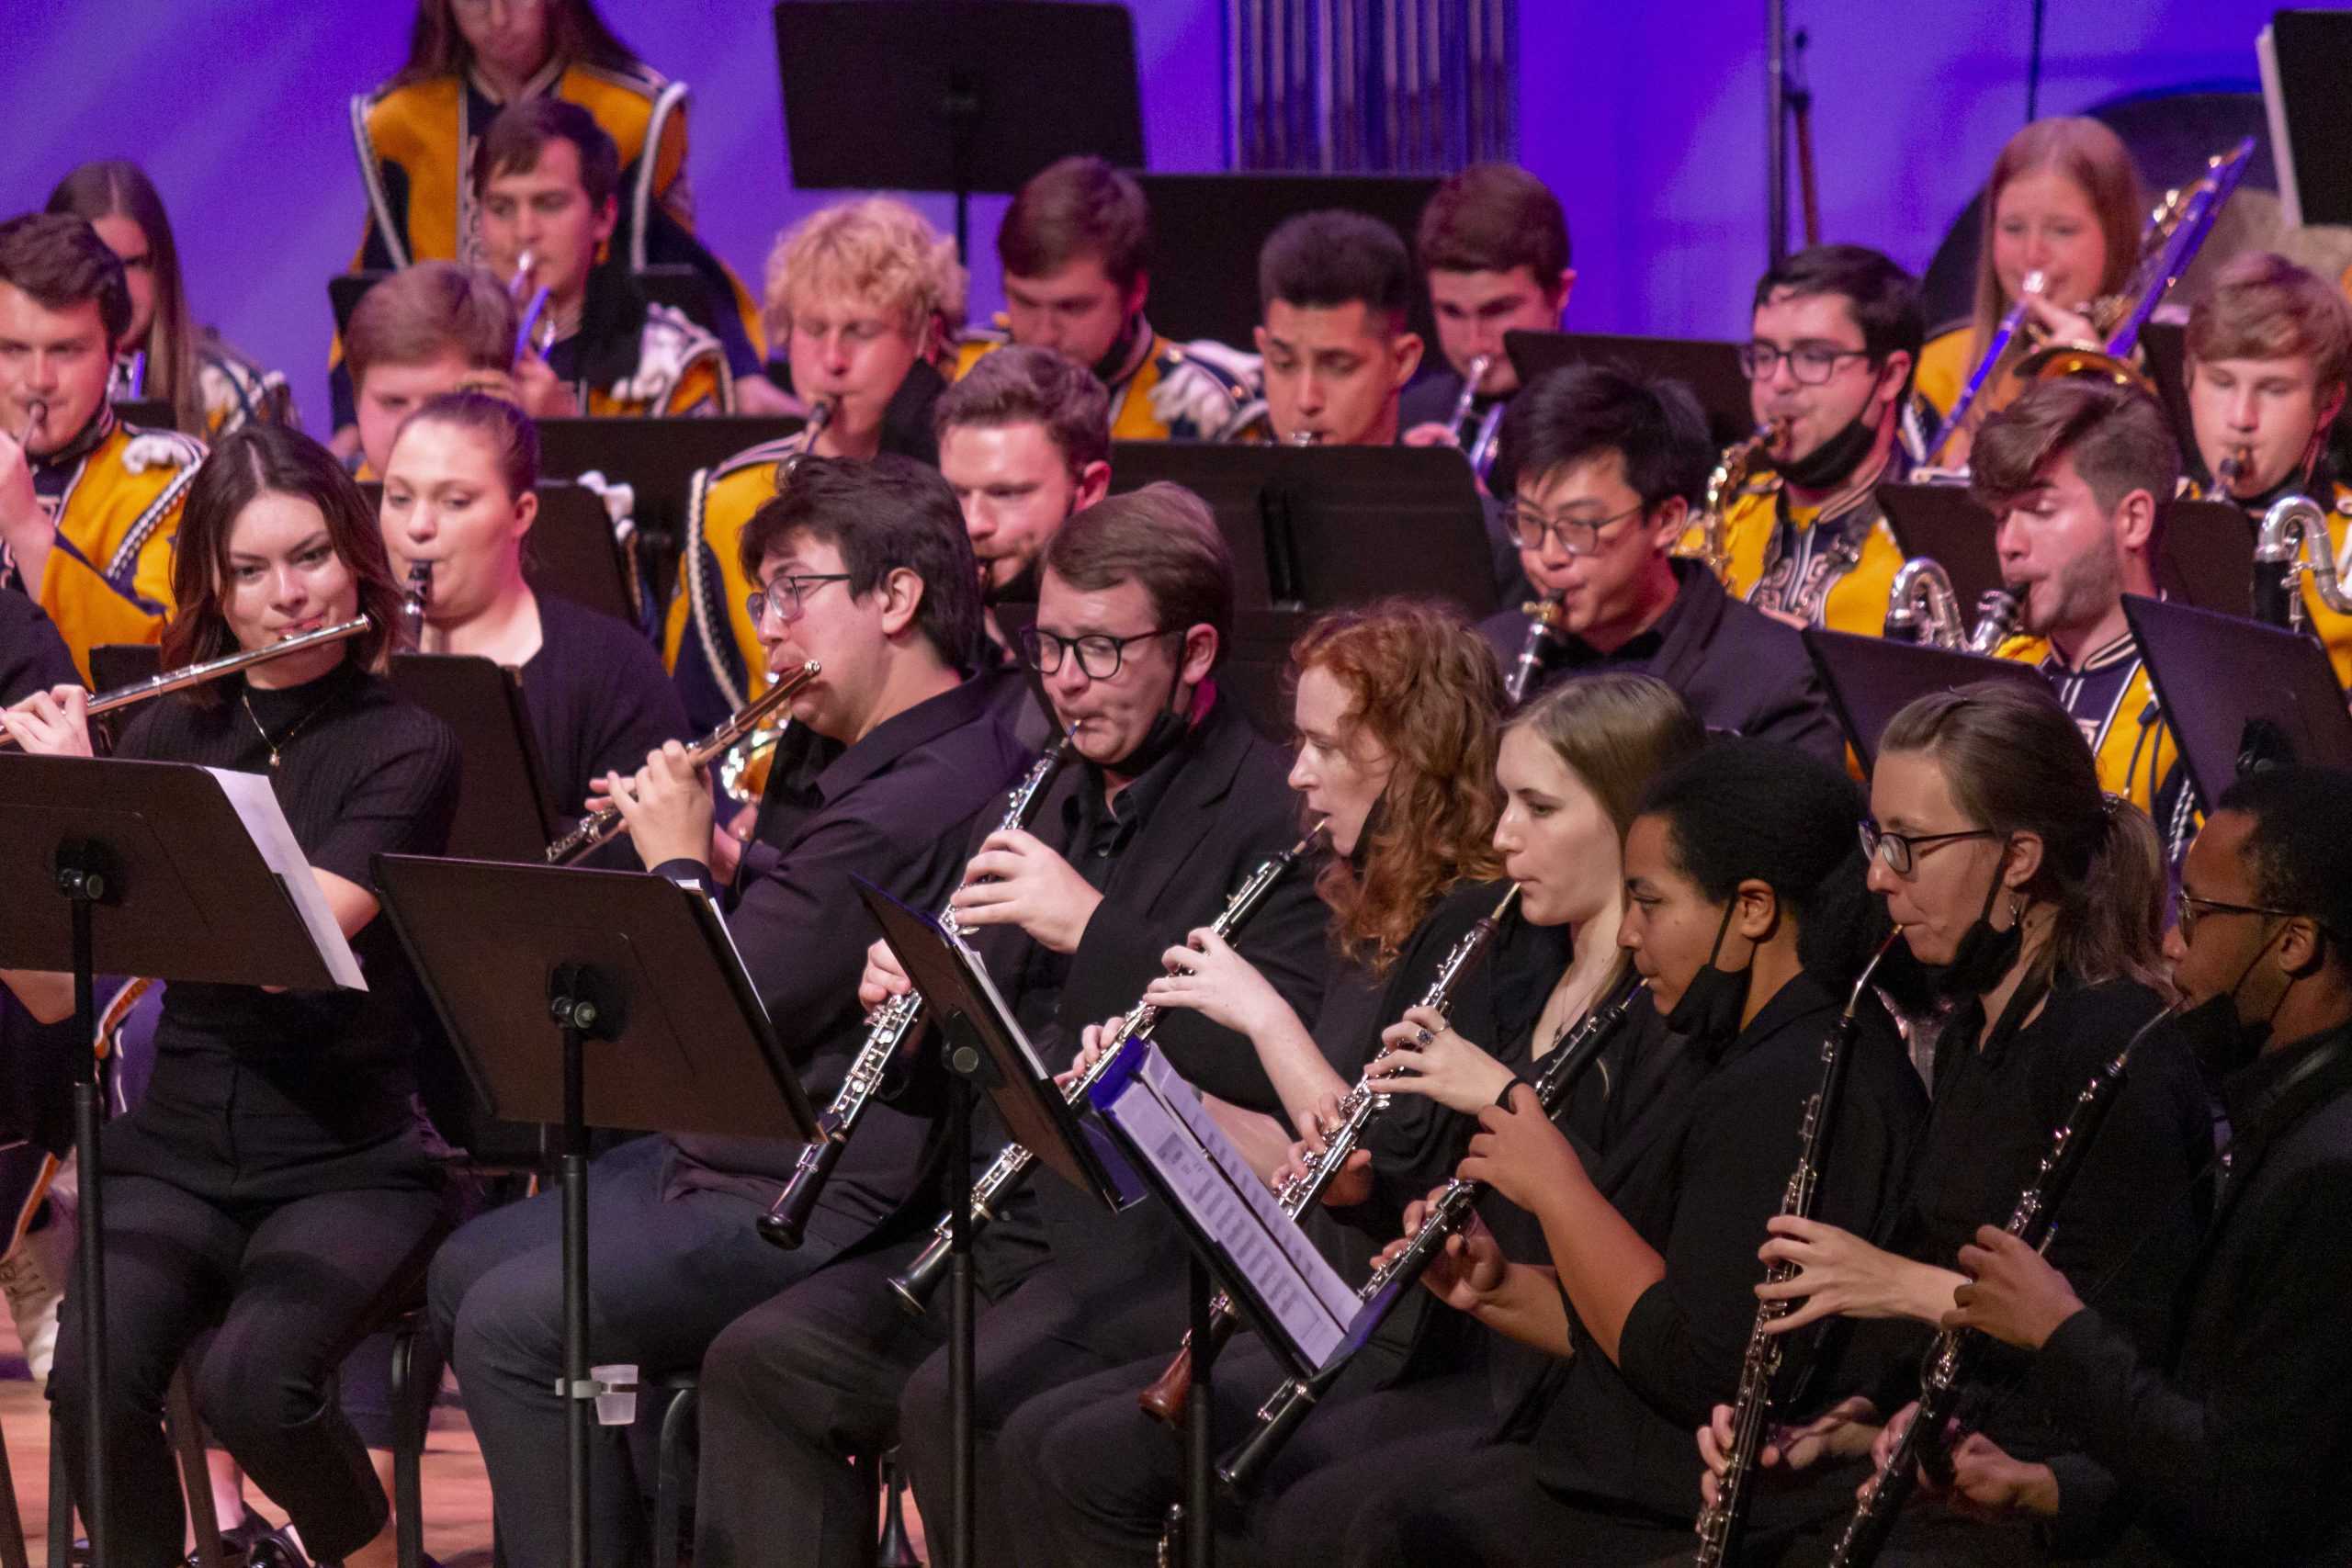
x,y
1171,1392
2292,542
887,1033
1012,1164
1729,477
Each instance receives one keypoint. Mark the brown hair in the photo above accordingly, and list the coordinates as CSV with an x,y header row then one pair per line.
x,y
116,187
521,131
1162,536
514,439
1423,686
423,311
575,34
1017,385
2263,306
270,459
59,259
1076,207
2014,761
2116,437
2095,158
1617,732
1492,218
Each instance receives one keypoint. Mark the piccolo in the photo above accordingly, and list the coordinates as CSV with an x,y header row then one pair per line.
x,y
599,829
212,670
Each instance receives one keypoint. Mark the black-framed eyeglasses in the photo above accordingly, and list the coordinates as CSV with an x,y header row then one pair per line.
x,y
1900,851
2193,909
1530,530
788,596
1811,364
1099,655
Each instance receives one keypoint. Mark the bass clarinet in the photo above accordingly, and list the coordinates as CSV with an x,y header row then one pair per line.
x,y
1169,1393
1721,1522
1925,1444
1012,1165
887,1033
1448,1215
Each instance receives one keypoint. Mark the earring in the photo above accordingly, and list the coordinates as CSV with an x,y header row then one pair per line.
x,y
2017,909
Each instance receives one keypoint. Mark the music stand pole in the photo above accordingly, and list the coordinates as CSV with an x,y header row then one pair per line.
x,y
85,876
1200,1452
964,1066
584,1004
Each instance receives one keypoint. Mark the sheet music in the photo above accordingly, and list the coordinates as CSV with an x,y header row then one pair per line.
x,y
988,987
1163,1117
256,806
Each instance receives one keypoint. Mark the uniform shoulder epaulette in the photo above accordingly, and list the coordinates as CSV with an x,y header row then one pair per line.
x,y
159,449
775,451
637,77
1236,369
668,345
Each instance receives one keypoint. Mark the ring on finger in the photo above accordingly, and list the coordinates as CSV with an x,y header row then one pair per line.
x,y
1424,1038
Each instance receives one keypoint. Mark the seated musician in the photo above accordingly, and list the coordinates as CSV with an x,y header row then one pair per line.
x,y
546,178
1608,466
2269,353
1077,251
1335,294
275,1183
2064,199
865,295
435,328
863,568
1493,248
1172,802
1829,360
211,387
2072,472
88,504
2226,1445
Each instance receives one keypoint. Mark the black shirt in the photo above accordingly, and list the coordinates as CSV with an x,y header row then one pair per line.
x,y
599,702
273,1091
1738,668
32,654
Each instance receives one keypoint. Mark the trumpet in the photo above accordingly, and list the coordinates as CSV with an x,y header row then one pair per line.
x,y
528,321
2292,542
1543,618
1729,477
887,1033
1303,438
599,829
1922,608
1012,1164
414,601
189,676
2003,335
1172,1390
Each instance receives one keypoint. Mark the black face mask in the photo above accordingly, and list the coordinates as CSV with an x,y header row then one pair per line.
x,y
1167,732
1707,1013
1107,368
2222,1040
1829,464
1985,952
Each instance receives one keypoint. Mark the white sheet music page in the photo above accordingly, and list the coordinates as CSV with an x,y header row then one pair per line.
x,y
250,795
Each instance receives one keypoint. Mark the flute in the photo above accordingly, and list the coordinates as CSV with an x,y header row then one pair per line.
x,y
189,676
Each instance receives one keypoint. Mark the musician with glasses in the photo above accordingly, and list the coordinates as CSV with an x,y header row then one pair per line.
x,y
2227,1443
1608,466
1835,333
863,568
2033,900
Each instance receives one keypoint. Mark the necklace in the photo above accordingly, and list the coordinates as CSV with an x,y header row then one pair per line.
x,y
276,742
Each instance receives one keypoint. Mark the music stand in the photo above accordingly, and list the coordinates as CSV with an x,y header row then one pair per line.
x,y
1711,369
1870,680
1319,527
117,664
178,872
2206,558
2164,346
983,1045
572,551
345,290
148,413
575,995
2302,56
1944,523
941,95
506,811
2239,695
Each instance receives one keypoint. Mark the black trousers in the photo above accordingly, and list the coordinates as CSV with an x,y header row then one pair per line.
x,y
292,1283
1485,1506
663,1278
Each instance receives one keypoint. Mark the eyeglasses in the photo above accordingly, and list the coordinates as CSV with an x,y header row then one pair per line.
x,y
2193,909
1530,528
1900,851
787,596
1098,654
1811,364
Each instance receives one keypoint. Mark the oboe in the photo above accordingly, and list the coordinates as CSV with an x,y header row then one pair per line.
x,y
1169,1393
212,670
1925,1444
1543,618
1721,1522
1012,1165
416,600
601,827
887,1033
1448,1215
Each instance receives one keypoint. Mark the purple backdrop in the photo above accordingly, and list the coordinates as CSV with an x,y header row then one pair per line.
x,y
1647,119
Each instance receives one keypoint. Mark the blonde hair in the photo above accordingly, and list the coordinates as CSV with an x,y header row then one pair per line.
x,y
880,251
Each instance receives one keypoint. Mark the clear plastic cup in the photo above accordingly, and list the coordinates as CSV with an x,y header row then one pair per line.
x,y
616,1407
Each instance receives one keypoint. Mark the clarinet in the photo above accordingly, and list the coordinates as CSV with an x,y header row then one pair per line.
x,y
1721,1522
1169,1393
1925,1444
1448,1215
887,1033
414,601
1012,1164
1544,617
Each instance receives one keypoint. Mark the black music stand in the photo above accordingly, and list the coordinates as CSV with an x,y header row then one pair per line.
x,y
2303,54
573,552
1945,524
114,664
1869,679
2164,346
2206,556
941,95
2239,696
983,1048
574,996
148,413
1711,369
159,875
1318,527
504,808
345,290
